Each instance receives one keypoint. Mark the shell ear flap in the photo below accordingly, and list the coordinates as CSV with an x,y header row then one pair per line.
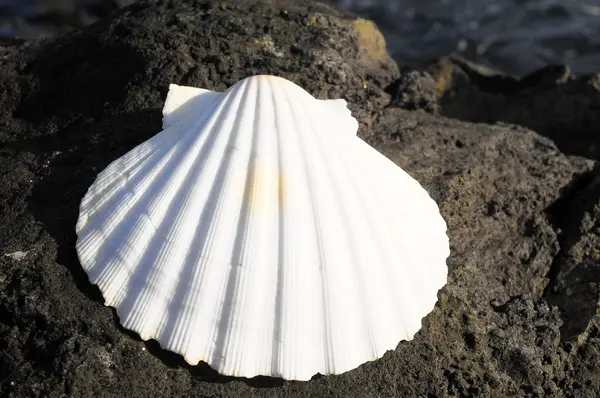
x,y
340,107
183,101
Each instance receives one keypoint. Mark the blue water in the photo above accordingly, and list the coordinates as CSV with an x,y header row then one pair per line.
x,y
516,36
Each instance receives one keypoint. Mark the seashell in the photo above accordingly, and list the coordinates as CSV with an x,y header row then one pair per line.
x,y
258,233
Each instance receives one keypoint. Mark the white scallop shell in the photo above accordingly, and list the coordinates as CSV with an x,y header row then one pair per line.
x,y
257,233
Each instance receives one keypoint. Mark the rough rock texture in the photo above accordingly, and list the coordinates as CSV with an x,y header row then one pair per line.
x,y
550,101
565,108
517,317
414,90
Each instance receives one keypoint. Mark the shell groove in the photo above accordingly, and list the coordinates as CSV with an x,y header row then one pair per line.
x,y
257,233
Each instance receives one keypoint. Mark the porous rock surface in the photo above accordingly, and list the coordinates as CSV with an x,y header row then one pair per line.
x,y
518,315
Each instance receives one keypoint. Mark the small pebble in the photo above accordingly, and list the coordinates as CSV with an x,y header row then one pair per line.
x,y
17,256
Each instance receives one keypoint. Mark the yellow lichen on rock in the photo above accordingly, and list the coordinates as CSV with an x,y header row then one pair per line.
x,y
371,39
267,45
443,74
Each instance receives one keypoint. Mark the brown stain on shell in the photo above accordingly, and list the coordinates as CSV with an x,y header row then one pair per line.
x,y
261,195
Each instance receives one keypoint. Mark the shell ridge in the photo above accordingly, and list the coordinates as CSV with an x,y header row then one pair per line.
x,y
210,134
259,294
287,332
105,181
133,159
342,212
344,216
220,222
110,227
407,178
287,295
234,286
433,217
414,290
359,192
174,218
276,357
127,161
143,272
291,228
108,276
118,229
420,202
327,349
378,211
194,269
162,157
104,193
108,179
397,274
263,223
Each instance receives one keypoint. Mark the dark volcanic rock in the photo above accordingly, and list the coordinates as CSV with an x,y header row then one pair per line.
x,y
70,106
414,90
576,270
575,273
493,184
550,101
491,332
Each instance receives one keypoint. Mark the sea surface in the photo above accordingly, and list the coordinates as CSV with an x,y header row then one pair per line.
x,y
514,36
